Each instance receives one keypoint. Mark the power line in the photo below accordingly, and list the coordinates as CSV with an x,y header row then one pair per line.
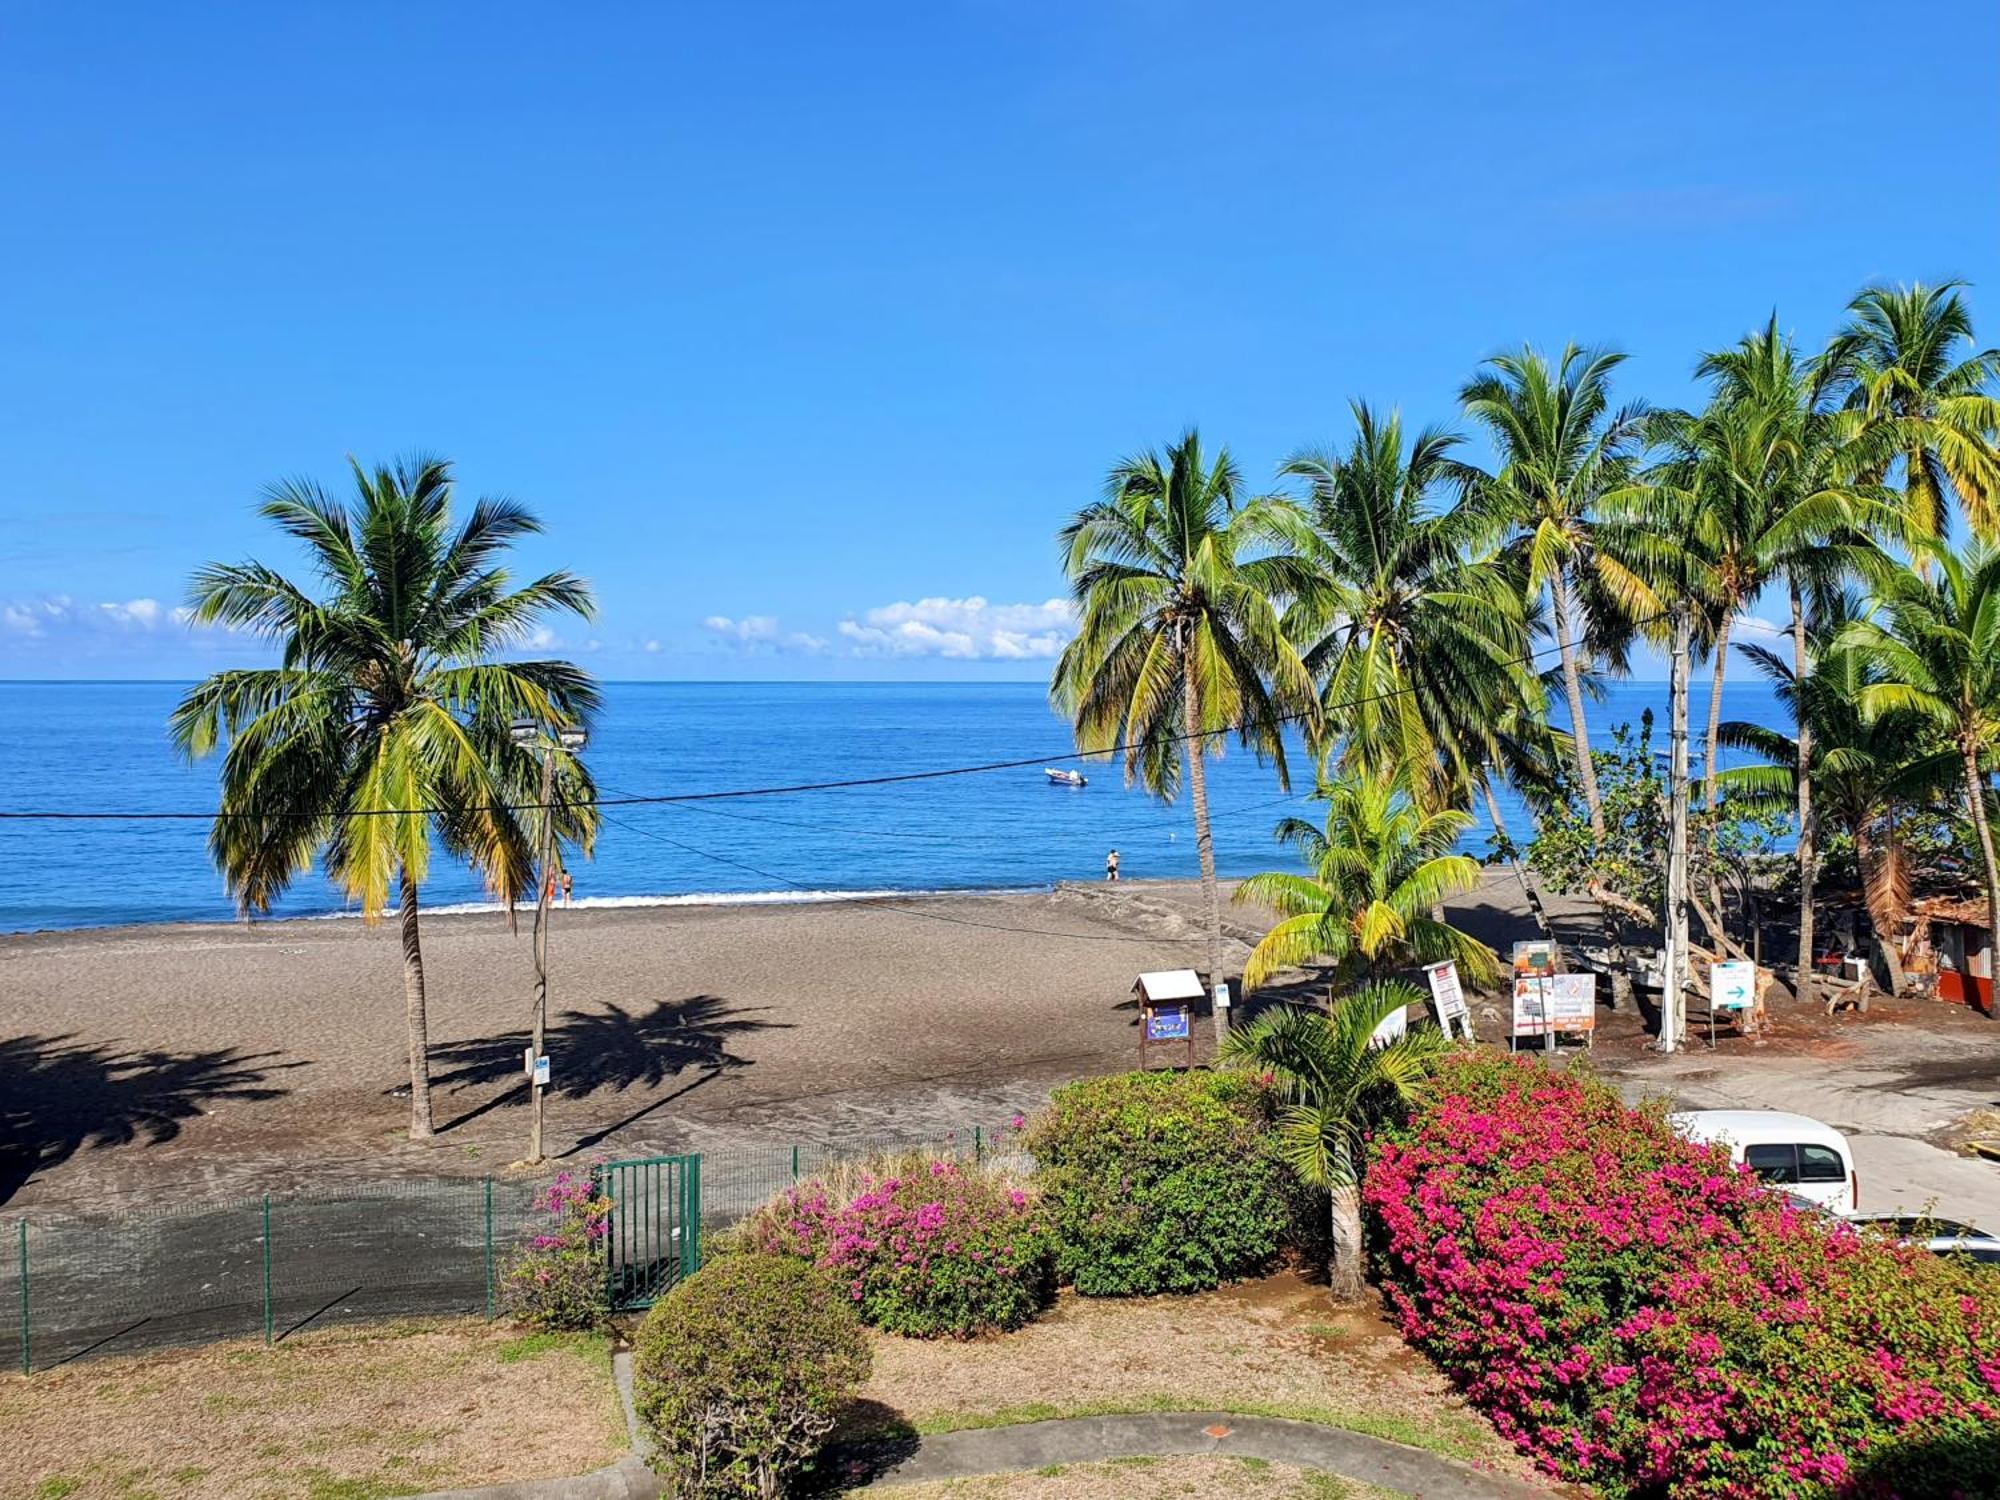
x,y
880,903
890,779
1095,832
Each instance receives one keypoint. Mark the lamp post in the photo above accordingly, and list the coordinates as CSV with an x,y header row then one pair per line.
x,y
527,732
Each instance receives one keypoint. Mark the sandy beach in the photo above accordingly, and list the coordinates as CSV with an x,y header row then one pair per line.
x,y
161,1065
210,1060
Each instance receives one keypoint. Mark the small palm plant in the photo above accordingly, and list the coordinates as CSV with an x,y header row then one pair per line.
x,y
1379,868
1338,1081
386,727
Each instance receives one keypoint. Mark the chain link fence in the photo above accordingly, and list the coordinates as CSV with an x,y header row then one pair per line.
x,y
270,1267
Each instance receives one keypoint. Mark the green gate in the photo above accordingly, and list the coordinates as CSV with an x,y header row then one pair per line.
x,y
654,1234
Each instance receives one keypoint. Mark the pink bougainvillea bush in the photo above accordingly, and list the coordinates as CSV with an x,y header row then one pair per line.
x,y
925,1246
1645,1318
556,1278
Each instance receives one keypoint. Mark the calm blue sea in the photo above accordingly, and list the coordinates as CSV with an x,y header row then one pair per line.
x,y
89,746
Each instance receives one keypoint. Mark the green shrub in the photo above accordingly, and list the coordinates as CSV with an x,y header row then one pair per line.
x,y
555,1281
1160,1182
923,1244
740,1371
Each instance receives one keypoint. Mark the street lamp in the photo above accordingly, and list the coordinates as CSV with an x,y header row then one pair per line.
x,y
571,737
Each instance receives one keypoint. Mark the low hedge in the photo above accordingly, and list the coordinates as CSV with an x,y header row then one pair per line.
x,y
740,1372
923,1245
555,1280
1161,1182
1645,1318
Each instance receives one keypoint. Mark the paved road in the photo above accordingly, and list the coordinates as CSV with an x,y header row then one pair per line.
x,y
1901,1086
1082,1440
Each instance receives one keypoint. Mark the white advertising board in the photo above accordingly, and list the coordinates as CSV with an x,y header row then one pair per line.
x,y
1447,994
1555,1002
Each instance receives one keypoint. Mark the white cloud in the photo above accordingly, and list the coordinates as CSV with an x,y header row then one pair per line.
x,y
970,629
59,614
747,631
542,639
144,613
653,646
759,633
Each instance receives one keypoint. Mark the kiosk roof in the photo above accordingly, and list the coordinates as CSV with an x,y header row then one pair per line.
x,y
1169,985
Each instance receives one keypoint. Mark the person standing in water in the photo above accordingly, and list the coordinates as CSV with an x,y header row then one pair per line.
x,y
1111,866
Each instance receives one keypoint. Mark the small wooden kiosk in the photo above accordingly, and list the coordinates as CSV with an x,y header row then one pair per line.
x,y
1166,1010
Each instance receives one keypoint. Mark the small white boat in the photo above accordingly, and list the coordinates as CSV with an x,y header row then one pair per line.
x,y
1064,778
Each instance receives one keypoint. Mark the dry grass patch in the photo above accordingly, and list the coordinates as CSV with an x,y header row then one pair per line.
x,y
1267,1348
1153,1479
354,1414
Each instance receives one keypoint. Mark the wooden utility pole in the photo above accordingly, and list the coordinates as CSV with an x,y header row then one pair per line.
x,y
1673,998
544,871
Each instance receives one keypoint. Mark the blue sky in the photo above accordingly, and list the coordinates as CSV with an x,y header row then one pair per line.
x,y
805,326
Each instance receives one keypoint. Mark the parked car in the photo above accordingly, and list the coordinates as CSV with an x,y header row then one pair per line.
x,y
1939,1236
1793,1152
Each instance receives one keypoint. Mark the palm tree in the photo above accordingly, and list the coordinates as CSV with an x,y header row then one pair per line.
x,y
1562,447
1177,581
1417,640
1380,866
387,724
1866,770
1932,651
1338,1081
1808,460
1904,361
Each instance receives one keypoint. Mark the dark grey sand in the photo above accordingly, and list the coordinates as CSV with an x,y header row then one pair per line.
x,y
207,1060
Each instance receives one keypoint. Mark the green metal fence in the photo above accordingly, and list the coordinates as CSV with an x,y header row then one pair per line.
x,y
654,1233
270,1267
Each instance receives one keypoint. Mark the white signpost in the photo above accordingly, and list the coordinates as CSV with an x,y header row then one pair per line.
x,y
1448,998
1733,985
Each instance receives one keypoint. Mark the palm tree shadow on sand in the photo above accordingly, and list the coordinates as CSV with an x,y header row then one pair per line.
x,y
612,1049
59,1095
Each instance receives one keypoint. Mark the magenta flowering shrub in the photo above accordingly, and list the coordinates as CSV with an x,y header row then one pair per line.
x,y
556,1278
924,1246
1645,1318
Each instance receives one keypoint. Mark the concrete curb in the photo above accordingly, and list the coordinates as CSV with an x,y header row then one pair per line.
x,y
1076,1440
1082,1440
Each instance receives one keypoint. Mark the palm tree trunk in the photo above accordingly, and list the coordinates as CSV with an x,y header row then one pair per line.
x,y
419,1026
1808,864
1586,771
1514,859
1204,844
1708,748
1715,709
1344,1277
1975,793
1882,915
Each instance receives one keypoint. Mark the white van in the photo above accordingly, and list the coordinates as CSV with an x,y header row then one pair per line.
x,y
1793,1153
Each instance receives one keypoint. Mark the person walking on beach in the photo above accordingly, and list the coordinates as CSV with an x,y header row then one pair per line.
x,y
569,886
1111,866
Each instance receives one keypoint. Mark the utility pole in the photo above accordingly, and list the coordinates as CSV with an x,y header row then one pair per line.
x,y
544,878
1673,997
527,732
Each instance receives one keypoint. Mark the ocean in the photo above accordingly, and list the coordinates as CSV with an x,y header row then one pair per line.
x,y
92,746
